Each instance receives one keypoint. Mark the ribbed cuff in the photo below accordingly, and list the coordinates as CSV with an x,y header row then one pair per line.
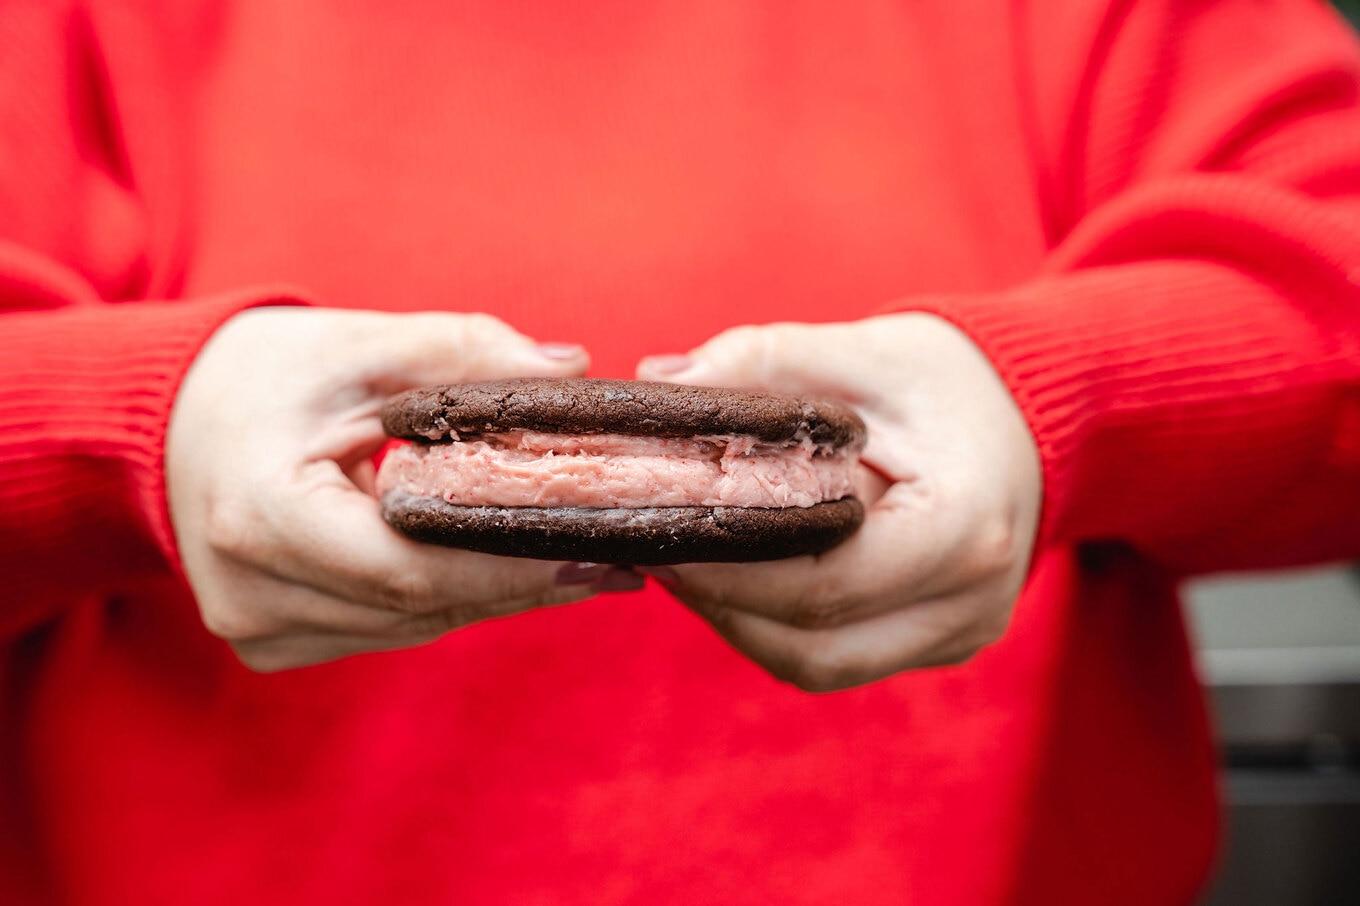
x,y
1166,398
95,384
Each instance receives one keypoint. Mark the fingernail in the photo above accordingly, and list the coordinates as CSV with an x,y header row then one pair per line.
x,y
619,579
560,351
581,573
663,574
666,364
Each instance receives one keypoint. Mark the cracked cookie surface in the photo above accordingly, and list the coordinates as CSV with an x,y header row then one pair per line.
x,y
601,406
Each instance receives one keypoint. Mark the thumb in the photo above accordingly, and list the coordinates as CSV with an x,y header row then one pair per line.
x,y
439,348
786,357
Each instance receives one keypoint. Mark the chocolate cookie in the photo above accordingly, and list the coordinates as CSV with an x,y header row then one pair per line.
x,y
621,471
599,406
644,537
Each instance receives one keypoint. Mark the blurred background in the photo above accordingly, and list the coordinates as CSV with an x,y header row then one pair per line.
x,y
1280,657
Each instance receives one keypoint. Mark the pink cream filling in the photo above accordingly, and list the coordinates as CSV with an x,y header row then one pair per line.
x,y
534,469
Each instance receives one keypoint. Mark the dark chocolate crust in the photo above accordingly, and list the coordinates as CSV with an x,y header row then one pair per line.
x,y
644,537
596,406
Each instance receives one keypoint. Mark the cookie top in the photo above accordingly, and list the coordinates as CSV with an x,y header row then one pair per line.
x,y
598,406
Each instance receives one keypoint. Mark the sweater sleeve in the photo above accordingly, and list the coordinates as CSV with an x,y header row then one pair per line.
x,y
1188,359
85,399
89,361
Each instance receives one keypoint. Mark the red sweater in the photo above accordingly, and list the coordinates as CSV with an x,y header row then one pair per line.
x,y
1147,214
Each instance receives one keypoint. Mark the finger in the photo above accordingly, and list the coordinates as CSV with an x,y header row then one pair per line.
x,y
376,355
260,606
424,626
397,352
322,532
385,354
931,633
795,358
246,605
912,546
305,648
291,652
812,360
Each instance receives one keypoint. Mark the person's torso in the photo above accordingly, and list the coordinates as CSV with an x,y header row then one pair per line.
x,y
635,176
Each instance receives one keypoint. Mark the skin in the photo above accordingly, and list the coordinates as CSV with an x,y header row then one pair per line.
x,y
270,493
953,491
269,480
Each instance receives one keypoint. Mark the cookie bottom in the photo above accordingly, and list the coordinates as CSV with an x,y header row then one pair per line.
x,y
650,536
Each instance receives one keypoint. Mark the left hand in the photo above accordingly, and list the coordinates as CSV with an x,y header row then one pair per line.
x,y
932,575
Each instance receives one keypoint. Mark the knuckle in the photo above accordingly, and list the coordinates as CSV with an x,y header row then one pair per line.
x,y
719,616
233,624
986,627
819,607
743,335
404,590
229,530
448,619
515,585
765,347
824,668
706,598
992,551
789,332
432,625
479,327
719,604
718,595
509,584
736,344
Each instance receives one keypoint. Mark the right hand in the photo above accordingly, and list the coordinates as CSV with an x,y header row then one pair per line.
x,y
269,483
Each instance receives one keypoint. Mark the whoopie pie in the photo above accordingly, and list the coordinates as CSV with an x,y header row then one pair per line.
x,y
627,472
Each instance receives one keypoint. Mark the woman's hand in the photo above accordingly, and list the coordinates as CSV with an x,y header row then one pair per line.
x,y
932,575
268,471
